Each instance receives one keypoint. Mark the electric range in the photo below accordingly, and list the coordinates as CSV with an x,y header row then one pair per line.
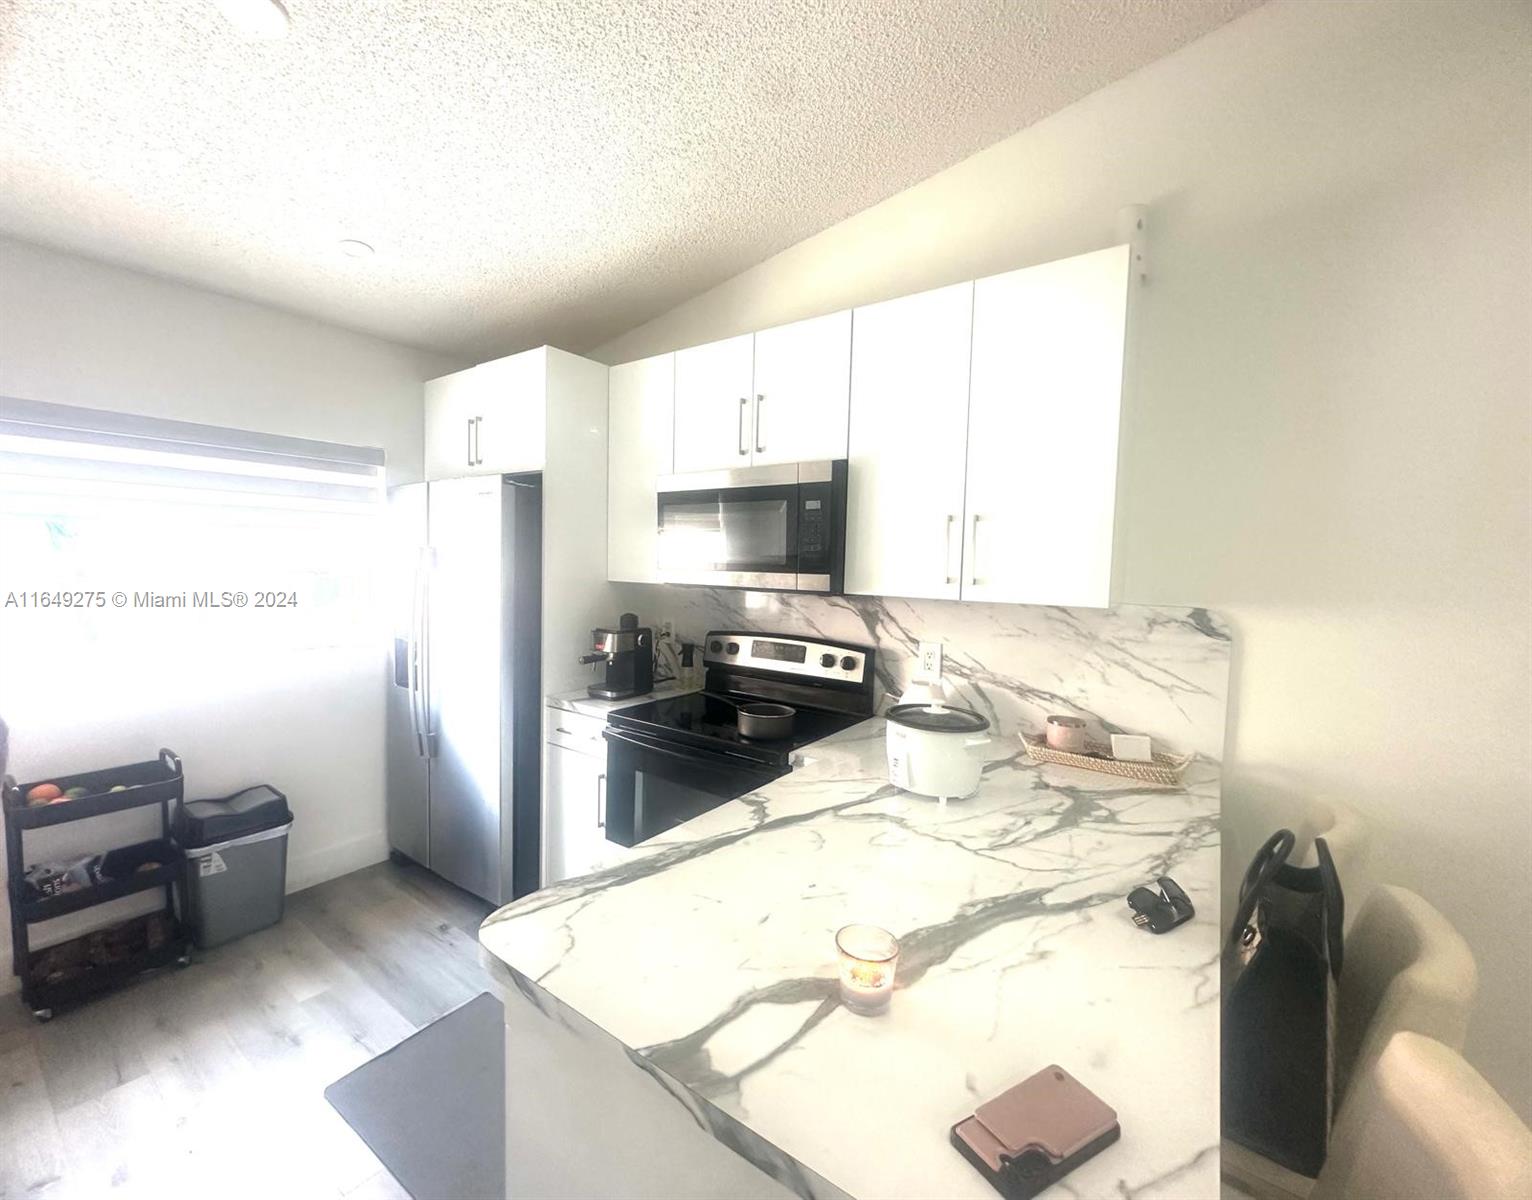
x,y
673,759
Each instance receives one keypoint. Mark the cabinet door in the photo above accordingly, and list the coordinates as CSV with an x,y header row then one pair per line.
x,y
640,432
510,402
1044,405
909,427
714,405
802,390
573,794
448,425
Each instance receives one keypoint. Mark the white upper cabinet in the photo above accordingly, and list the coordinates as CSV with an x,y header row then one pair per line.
x,y
513,413
640,421
449,429
1045,401
778,396
489,419
802,391
909,424
714,405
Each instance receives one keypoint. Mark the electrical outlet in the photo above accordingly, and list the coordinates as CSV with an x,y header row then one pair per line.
x,y
930,668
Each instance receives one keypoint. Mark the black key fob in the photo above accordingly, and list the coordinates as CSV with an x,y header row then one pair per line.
x,y
1161,911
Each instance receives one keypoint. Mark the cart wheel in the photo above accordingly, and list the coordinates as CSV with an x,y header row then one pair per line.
x,y
43,1014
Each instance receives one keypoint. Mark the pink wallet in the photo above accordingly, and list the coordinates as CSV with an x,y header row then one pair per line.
x,y
1035,1133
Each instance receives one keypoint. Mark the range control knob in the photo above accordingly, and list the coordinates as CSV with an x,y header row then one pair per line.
x,y
848,663
827,660
733,647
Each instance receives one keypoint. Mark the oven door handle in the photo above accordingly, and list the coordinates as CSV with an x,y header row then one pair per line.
x,y
691,754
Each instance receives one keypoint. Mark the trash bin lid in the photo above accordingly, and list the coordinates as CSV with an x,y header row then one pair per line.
x,y
250,810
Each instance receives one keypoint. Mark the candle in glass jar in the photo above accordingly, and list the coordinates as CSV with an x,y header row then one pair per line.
x,y
868,958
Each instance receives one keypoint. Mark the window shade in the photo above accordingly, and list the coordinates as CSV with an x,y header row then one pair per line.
x,y
57,447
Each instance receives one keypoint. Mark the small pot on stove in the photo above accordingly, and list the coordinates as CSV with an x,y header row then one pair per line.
x,y
766,722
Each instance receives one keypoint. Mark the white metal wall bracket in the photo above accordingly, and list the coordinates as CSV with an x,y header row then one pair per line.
x,y
1133,228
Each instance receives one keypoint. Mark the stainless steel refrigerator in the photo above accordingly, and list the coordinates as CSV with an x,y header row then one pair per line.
x,y
465,705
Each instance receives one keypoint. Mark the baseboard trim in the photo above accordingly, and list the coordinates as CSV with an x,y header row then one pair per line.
x,y
331,862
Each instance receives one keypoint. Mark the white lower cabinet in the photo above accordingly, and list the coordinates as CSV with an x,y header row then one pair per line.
x,y
572,801
574,797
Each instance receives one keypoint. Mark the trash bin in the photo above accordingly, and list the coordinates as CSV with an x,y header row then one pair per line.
x,y
236,863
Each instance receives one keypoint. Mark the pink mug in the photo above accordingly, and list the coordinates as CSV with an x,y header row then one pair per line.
x,y
1065,733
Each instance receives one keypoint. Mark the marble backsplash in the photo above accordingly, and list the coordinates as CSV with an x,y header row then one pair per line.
x,y
1133,669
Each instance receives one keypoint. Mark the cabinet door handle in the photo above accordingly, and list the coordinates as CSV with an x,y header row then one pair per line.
x,y
469,453
947,549
744,438
760,430
478,441
601,801
973,556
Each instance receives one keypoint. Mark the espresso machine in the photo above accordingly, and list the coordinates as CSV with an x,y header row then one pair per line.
x,y
628,655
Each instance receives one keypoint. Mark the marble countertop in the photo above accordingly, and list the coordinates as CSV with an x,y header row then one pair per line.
x,y
581,701
710,956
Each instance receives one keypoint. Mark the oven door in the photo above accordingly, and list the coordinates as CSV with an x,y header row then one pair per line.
x,y
652,785
731,535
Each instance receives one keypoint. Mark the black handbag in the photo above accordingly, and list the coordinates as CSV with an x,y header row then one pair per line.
x,y
1281,968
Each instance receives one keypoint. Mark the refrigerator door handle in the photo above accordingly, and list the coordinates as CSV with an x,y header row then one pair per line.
x,y
414,661
425,659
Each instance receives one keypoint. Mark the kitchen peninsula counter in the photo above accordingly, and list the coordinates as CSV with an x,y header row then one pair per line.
x,y
705,969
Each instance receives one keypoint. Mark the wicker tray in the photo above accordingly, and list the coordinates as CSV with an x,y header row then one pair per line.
x,y
1164,770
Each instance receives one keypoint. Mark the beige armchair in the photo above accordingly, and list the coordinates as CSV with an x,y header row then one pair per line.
x,y
1406,968
1419,1123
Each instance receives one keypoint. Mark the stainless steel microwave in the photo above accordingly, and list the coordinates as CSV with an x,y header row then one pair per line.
x,y
779,528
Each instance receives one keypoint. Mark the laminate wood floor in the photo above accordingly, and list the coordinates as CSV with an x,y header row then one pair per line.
x,y
209,1081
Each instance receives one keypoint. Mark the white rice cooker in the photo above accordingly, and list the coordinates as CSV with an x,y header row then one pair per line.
x,y
935,749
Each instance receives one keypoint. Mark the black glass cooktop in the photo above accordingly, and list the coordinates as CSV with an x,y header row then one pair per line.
x,y
712,723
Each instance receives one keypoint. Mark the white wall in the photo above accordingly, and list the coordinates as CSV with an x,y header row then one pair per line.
x,y
80,332
75,331
1329,440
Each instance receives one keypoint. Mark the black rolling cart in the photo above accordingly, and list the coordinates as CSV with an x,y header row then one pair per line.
x,y
66,973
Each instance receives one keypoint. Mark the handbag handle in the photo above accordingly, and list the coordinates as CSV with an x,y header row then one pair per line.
x,y
1335,905
1268,860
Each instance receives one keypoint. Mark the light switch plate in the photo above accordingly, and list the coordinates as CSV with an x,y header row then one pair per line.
x,y
930,668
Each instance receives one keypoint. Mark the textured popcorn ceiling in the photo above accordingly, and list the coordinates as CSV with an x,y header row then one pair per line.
x,y
529,170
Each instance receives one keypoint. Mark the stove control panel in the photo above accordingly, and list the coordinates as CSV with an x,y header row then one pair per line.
x,y
788,656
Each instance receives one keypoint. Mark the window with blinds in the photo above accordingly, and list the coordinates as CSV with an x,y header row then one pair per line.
x,y
166,552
